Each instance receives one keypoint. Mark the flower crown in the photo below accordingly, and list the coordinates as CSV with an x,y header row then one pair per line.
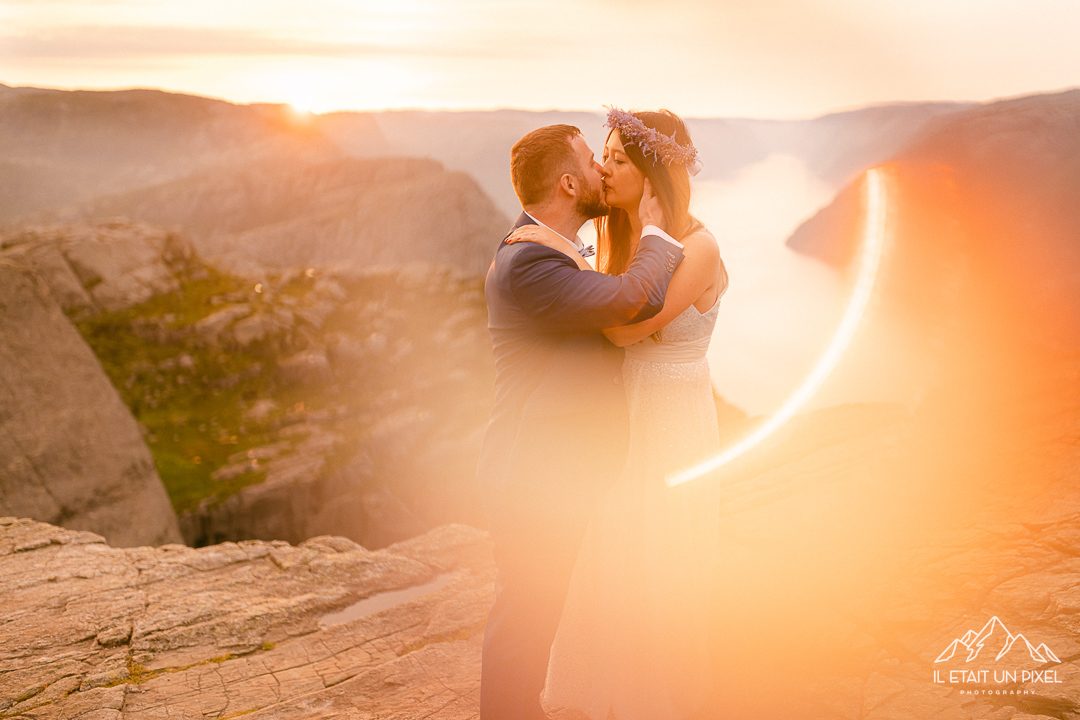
x,y
651,141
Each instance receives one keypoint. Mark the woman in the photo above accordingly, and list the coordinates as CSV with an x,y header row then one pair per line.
x,y
633,640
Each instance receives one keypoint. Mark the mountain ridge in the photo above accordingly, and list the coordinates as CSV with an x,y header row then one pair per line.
x,y
44,171
345,211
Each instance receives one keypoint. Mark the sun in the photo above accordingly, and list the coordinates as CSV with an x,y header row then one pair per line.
x,y
301,90
301,107
301,100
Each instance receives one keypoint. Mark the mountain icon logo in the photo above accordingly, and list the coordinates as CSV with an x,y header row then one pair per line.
x,y
994,632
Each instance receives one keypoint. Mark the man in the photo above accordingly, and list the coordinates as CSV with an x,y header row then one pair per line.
x,y
558,431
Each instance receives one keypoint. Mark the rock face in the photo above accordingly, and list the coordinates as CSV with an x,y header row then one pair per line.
x,y
303,404
979,275
301,496
260,629
70,451
396,385
105,265
356,213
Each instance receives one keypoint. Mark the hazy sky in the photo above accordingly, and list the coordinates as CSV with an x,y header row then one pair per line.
x,y
760,58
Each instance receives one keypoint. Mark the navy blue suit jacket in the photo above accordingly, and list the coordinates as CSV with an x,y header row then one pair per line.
x,y
559,423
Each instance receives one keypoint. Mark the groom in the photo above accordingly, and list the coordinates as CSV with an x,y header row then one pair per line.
x,y
558,432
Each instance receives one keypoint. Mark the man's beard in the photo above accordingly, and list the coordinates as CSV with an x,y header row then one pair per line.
x,y
590,204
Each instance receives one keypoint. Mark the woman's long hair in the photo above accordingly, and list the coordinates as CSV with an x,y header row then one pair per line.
x,y
671,186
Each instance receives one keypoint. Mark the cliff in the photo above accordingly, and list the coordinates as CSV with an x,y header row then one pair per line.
x,y
1005,172
979,279
283,213
256,187
261,629
71,452
303,404
95,267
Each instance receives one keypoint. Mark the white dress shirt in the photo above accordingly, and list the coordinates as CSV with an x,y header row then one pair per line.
x,y
579,246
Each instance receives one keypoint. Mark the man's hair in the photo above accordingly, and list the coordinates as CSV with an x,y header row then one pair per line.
x,y
539,159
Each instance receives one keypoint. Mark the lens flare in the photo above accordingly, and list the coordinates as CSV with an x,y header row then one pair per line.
x,y
870,259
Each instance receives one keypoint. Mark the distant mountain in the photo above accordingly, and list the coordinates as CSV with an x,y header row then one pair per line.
x,y
839,146
987,202
835,147
272,215
59,147
474,142
979,286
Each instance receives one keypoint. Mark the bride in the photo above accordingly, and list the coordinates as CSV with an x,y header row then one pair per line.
x,y
633,640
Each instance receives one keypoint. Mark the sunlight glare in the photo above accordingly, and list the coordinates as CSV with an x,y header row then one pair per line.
x,y
872,245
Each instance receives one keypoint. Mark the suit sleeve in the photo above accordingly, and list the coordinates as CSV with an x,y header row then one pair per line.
x,y
559,297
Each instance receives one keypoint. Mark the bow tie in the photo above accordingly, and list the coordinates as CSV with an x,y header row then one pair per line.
x,y
587,251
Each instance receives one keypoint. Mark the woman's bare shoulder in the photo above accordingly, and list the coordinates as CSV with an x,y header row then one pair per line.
x,y
701,241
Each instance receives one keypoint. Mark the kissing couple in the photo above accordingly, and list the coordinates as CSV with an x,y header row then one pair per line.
x,y
605,574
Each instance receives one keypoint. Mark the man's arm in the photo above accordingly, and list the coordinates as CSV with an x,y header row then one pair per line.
x,y
561,298
698,272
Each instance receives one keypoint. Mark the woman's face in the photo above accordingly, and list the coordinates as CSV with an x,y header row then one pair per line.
x,y
623,183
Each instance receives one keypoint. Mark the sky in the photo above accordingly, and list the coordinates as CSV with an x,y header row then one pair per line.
x,y
747,58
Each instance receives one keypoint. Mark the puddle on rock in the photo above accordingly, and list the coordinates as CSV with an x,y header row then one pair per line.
x,y
381,601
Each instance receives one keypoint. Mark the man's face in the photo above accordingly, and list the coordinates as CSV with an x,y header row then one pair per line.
x,y
590,199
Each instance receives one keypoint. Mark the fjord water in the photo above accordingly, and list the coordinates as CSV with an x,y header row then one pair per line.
x,y
781,307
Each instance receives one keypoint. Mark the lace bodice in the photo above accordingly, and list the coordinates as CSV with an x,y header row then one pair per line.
x,y
692,324
684,339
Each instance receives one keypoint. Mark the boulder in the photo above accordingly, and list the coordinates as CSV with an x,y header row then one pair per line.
x,y
344,352
298,498
214,325
260,410
109,264
262,325
307,367
49,263
70,451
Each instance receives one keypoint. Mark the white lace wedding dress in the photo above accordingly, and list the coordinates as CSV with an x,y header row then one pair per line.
x,y
633,640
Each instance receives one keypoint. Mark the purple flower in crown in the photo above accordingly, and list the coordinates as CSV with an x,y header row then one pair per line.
x,y
651,141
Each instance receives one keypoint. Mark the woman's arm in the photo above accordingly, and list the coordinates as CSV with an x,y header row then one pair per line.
x,y
698,272
548,238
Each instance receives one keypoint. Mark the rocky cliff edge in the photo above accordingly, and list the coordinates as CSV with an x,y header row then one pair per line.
x,y
260,629
70,451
